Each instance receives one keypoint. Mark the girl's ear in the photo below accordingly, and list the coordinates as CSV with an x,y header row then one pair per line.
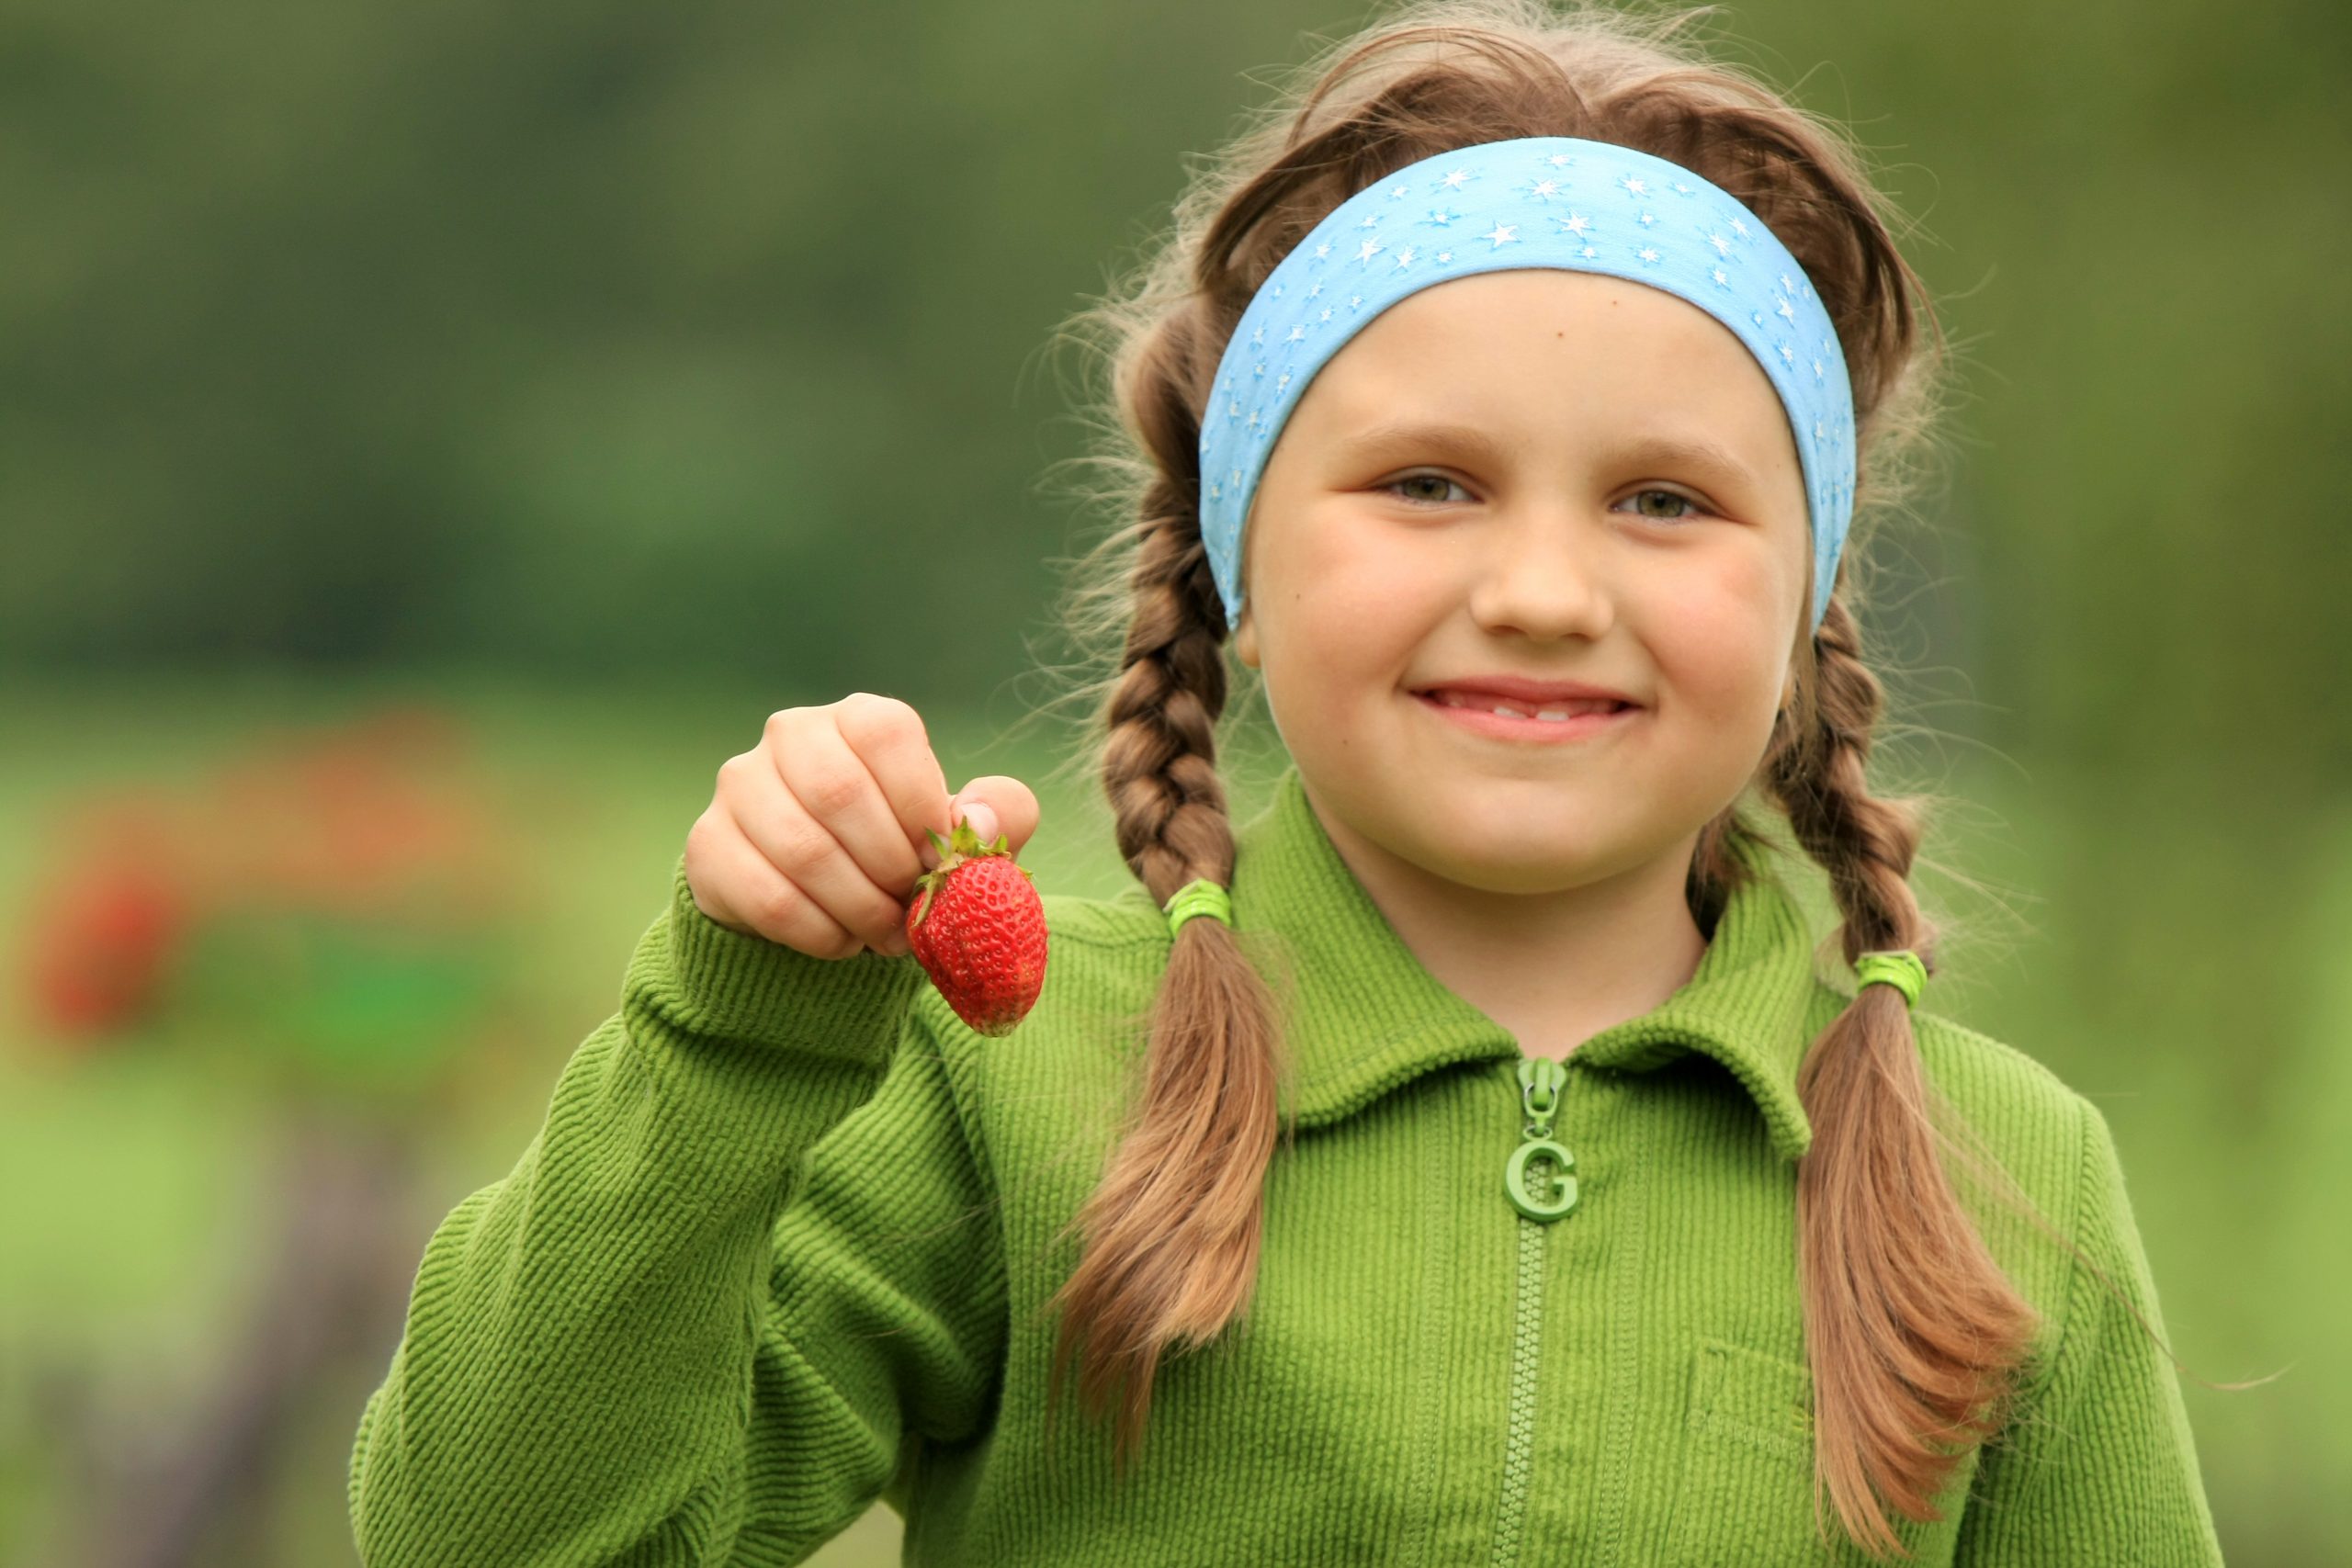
x,y
1245,638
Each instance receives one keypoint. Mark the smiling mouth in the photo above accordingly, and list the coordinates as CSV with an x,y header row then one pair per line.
x,y
1548,712
1494,718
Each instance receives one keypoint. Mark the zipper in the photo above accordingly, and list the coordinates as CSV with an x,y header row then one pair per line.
x,y
1538,1182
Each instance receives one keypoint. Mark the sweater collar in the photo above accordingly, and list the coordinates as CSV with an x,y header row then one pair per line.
x,y
1368,1017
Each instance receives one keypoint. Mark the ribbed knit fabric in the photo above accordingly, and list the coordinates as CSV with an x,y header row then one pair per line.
x,y
782,1244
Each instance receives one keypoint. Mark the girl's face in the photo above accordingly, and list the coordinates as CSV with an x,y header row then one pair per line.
x,y
1553,475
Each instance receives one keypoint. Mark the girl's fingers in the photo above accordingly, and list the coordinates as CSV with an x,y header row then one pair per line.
x,y
890,737
811,856
761,899
836,788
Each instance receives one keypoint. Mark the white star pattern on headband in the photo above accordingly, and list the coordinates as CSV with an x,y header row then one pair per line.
x,y
1702,259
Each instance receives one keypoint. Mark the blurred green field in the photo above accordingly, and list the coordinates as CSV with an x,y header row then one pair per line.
x,y
2164,957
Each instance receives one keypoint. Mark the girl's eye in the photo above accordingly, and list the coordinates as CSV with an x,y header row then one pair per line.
x,y
1393,486
1692,507
1401,488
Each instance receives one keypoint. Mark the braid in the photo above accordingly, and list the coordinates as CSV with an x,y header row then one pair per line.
x,y
1865,843
1159,764
1912,1329
1171,1233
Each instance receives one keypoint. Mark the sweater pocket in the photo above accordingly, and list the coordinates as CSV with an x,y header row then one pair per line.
x,y
1744,1491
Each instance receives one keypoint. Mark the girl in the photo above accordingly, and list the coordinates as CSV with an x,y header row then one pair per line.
x,y
1466,1159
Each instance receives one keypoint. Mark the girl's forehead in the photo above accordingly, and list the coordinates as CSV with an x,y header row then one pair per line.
x,y
1541,347
1545,311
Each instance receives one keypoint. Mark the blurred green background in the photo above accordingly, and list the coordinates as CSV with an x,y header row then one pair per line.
x,y
433,437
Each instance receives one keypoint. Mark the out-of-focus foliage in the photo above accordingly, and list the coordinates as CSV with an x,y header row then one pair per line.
x,y
575,339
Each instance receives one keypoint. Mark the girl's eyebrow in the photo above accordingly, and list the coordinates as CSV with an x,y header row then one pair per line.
x,y
1692,453
1374,439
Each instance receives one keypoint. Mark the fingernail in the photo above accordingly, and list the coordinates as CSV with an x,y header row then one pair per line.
x,y
982,816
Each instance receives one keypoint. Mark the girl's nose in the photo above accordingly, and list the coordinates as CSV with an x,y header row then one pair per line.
x,y
1543,577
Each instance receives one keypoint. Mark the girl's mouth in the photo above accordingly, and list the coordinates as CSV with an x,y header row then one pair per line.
x,y
1567,721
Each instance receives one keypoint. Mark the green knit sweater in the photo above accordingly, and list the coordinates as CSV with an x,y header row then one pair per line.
x,y
783,1245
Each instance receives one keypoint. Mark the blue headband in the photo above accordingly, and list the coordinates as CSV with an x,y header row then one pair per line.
x,y
1535,202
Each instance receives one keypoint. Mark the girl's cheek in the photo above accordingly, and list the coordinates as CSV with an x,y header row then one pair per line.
x,y
1723,645
1355,585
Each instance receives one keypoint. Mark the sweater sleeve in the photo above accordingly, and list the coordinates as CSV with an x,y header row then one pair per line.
x,y
2100,1466
747,1255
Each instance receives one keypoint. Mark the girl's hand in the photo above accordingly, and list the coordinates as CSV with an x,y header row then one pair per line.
x,y
814,837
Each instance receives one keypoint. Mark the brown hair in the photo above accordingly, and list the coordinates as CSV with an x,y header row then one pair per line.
x,y
1912,1333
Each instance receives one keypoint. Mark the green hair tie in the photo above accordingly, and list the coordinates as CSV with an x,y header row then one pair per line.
x,y
1198,896
1899,967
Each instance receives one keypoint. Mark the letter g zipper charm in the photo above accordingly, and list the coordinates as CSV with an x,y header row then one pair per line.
x,y
1549,1191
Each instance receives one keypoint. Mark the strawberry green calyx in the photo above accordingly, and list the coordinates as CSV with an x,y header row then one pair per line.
x,y
963,845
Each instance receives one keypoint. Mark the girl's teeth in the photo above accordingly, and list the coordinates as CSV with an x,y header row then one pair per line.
x,y
1552,716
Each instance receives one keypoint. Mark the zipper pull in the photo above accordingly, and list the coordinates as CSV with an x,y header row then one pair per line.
x,y
1552,1192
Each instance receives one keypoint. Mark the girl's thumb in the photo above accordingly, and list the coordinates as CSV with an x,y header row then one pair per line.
x,y
980,813
996,804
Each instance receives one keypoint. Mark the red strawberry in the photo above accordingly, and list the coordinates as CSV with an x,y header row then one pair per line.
x,y
978,930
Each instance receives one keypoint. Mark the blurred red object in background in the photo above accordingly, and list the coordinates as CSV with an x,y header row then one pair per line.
x,y
102,946
328,887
